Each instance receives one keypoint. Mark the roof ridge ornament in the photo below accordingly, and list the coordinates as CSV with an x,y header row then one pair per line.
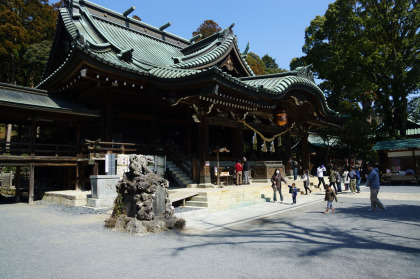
x,y
129,11
305,71
246,50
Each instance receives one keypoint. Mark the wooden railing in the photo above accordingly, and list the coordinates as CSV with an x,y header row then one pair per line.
x,y
38,149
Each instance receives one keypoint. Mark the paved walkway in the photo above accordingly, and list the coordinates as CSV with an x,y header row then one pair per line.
x,y
204,221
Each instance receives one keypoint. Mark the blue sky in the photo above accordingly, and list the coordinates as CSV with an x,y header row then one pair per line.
x,y
273,27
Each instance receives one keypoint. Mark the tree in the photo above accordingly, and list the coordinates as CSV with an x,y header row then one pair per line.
x,y
414,109
22,23
255,62
270,65
368,50
206,29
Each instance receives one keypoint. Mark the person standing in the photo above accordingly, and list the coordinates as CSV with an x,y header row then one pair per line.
x,y
245,170
238,168
329,198
353,178
293,191
305,179
346,179
294,165
276,180
333,179
320,173
358,180
338,181
373,181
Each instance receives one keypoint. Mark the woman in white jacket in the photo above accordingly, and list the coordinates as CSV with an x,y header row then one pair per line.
x,y
346,179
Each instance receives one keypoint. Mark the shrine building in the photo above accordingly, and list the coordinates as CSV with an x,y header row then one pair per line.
x,y
114,84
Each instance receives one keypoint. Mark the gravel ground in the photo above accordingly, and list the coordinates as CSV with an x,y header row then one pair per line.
x,y
39,241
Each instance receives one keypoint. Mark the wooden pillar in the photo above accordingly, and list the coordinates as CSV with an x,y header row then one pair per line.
x,y
288,149
238,145
31,193
33,135
203,150
17,184
109,116
77,185
305,152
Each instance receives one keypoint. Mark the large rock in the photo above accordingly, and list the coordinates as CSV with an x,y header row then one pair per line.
x,y
146,200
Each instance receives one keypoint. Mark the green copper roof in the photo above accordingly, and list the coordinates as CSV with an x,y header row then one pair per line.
x,y
135,47
34,99
397,144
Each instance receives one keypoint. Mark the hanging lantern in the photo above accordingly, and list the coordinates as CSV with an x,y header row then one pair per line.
x,y
280,117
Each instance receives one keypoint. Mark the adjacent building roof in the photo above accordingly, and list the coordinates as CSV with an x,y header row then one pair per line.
x,y
33,99
397,144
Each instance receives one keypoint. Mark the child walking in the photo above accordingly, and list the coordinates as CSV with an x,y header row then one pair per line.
x,y
293,191
329,198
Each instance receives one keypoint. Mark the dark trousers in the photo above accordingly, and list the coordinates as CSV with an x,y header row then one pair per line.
x,y
295,173
294,198
306,185
321,180
339,186
333,184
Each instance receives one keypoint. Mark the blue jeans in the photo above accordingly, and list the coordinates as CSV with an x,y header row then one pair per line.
x,y
274,194
339,186
329,205
358,184
295,173
246,177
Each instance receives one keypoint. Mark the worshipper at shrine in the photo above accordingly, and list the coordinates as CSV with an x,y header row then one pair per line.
x,y
338,180
333,179
238,169
320,173
293,190
305,179
409,171
245,170
353,179
276,180
373,181
294,165
329,198
346,179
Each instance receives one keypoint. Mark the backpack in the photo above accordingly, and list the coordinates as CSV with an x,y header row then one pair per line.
x,y
295,164
332,177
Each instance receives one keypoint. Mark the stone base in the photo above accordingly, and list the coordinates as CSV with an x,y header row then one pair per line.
x,y
136,227
105,202
67,198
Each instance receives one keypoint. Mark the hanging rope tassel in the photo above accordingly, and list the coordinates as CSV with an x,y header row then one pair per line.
x,y
272,149
264,148
279,141
254,142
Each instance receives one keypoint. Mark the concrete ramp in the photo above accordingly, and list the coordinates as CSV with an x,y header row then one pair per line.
x,y
175,196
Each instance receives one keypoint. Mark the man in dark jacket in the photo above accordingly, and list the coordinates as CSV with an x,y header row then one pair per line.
x,y
373,181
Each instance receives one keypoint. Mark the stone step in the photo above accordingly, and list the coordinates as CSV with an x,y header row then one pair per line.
x,y
197,203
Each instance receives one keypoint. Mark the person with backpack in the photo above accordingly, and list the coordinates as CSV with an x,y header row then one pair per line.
x,y
333,179
352,175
